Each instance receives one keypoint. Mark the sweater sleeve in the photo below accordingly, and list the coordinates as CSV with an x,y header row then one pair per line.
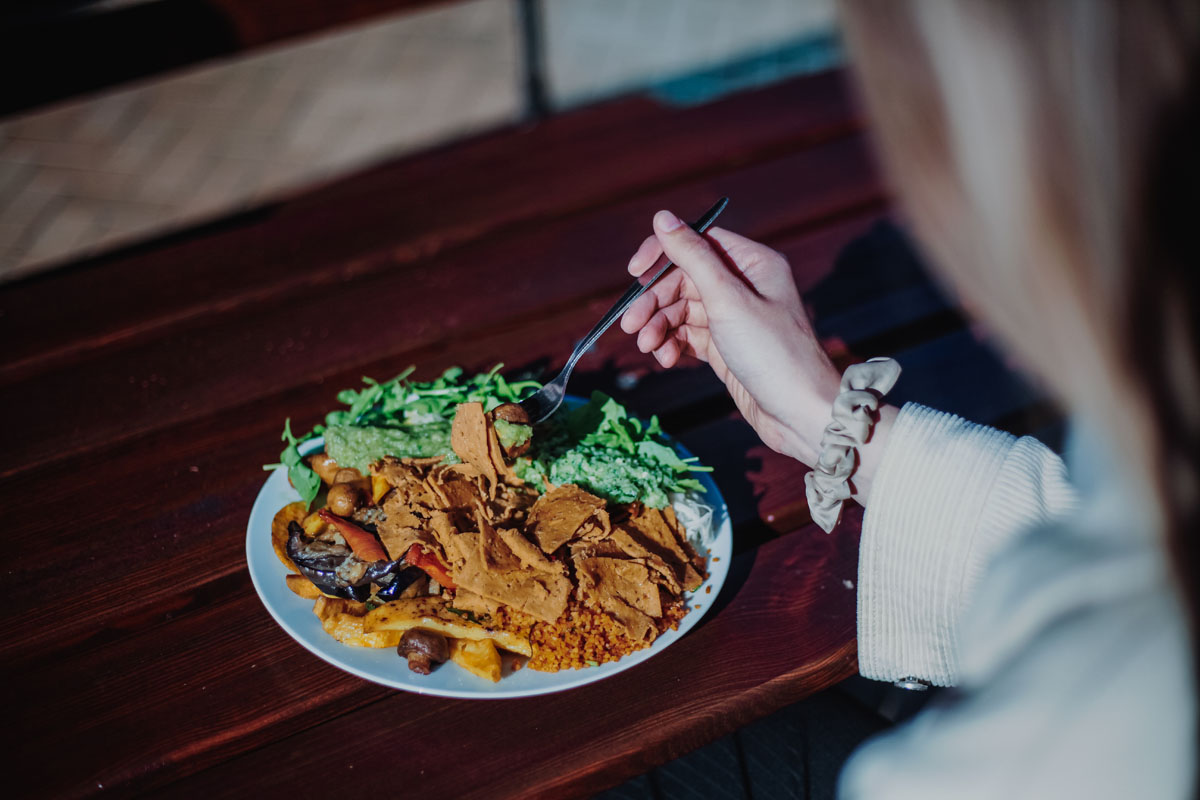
x,y
948,494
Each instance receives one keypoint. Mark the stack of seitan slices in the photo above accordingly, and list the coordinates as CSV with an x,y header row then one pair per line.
x,y
641,566
504,545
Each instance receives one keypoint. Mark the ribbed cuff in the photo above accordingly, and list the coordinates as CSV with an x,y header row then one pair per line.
x,y
939,508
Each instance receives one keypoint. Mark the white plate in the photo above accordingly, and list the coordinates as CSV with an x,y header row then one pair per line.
x,y
294,614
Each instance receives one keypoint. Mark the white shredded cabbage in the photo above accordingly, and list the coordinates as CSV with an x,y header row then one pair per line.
x,y
696,518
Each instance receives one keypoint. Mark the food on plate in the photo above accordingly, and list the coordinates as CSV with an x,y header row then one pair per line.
x,y
446,526
424,649
479,657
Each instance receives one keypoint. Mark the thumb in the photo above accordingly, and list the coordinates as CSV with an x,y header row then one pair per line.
x,y
695,255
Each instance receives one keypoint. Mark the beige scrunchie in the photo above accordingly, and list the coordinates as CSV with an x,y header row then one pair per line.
x,y
827,486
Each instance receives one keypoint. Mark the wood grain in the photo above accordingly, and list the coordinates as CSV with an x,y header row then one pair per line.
x,y
187,489
407,211
137,387
226,679
785,632
149,385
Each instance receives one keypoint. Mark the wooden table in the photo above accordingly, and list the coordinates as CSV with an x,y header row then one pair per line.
x,y
142,392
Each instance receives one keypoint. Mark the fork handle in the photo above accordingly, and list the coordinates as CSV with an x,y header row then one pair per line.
x,y
635,291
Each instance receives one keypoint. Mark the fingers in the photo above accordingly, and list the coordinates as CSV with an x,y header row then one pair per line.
x,y
646,255
668,354
638,314
729,240
695,256
686,340
660,326
661,294
765,269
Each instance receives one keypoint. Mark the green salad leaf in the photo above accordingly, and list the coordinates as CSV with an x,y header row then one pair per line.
x,y
415,416
598,446
299,472
601,448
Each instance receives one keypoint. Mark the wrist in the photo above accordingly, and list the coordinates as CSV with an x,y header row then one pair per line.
x,y
853,441
871,453
812,412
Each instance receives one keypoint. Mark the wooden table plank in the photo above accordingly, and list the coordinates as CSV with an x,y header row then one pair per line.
x,y
226,680
786,632
185,491
143,418
85,46
217,362
406,211
158,650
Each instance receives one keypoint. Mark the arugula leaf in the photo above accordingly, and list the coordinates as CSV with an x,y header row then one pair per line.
x,y
399,403
603,449
597,445
301,474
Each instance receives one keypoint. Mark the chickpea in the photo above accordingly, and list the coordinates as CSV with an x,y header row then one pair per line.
x,y
325,467
347,475
344,499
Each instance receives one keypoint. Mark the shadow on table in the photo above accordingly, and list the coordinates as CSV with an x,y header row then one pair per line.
x,y
880,299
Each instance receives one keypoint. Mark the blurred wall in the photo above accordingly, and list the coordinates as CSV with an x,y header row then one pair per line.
x,y
99,172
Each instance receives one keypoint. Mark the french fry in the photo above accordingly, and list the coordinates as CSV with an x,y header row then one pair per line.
x,y
432,614
303,587
327,607
343,620
479,657
292,512
348,629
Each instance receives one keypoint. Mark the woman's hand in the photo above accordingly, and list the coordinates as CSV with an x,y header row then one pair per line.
x,y
733,303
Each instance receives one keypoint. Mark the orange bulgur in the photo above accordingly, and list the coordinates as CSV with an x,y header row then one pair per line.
x,y
582,636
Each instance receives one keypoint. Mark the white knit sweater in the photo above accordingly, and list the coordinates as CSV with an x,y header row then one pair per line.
x,y
1051,609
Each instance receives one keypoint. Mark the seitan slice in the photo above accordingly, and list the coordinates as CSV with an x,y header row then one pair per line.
x,y
407,481
585,548
401,512
480,606
558,515
492,570
636,550
474,441
660,533
623,590
469,436
398,538
456,485
528,554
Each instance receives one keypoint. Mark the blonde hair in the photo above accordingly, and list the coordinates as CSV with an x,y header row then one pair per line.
x,y
1046,152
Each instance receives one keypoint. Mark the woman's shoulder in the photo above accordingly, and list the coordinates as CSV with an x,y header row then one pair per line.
x,y
1078,634
1075,680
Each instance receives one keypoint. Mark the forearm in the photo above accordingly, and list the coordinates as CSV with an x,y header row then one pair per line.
x,y
946,495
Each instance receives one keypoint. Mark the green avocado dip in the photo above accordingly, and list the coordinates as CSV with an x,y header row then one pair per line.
x,y
600,448
512,434
360,446
596,446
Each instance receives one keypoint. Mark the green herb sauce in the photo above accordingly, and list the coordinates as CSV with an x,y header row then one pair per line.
x,y
360,446
512,434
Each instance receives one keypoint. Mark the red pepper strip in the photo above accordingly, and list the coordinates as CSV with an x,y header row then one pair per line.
x,y
417,556
365,546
